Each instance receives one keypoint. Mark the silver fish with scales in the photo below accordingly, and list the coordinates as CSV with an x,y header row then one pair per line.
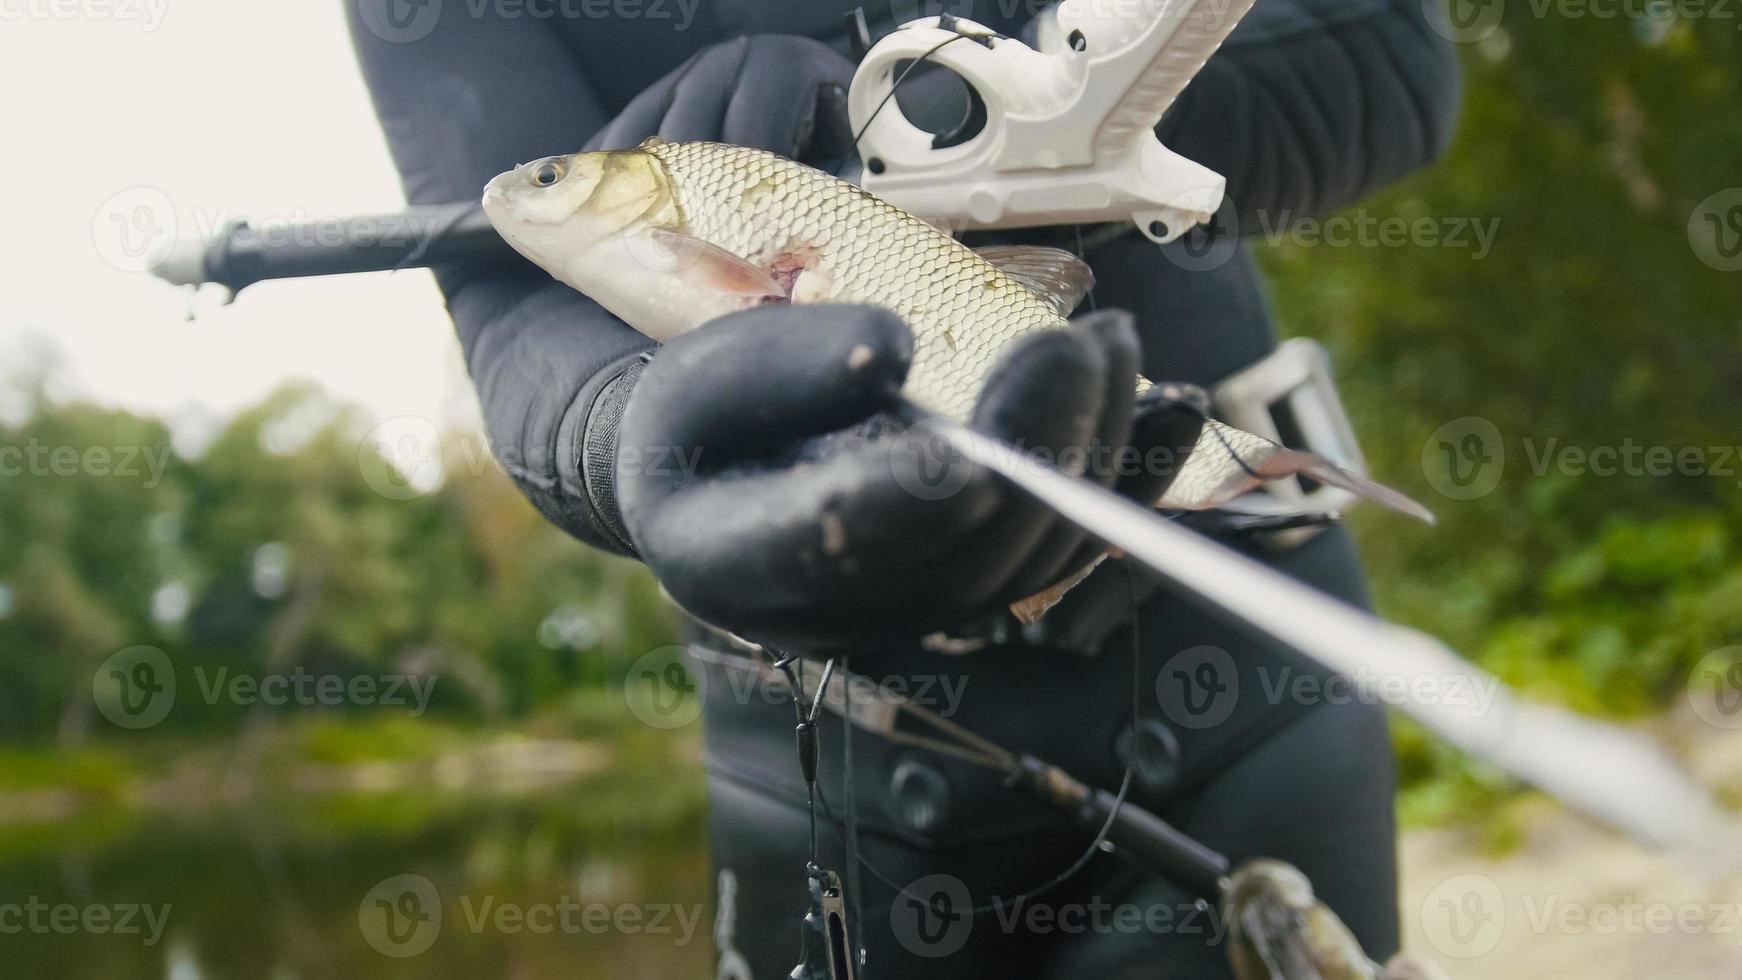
x,y
668,236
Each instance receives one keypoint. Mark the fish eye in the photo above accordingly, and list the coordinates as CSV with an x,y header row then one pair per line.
x,y
547,174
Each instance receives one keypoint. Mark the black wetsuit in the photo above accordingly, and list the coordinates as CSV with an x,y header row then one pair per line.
x,y
1311,104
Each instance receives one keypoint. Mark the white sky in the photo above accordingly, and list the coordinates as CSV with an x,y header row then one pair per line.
x,y
243,106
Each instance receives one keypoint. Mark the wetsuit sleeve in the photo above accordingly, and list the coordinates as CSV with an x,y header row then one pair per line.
x,y
1311,104
461,99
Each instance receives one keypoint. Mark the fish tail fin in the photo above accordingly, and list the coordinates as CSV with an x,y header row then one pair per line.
x,y
1293,462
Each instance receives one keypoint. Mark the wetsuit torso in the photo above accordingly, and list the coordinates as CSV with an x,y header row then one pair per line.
x,y
1311,104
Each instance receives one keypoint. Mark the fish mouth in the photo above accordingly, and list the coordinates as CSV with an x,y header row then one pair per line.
x,y
494,195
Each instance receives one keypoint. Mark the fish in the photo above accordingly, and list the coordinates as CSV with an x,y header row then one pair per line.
x,y
1278,930
670,235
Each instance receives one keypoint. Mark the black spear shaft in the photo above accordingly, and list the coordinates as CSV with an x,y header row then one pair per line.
x,y
245,252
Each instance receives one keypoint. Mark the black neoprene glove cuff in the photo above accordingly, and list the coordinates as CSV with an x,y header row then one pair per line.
x,y
591,431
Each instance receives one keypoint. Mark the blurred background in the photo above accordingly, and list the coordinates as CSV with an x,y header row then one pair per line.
x,y
275,631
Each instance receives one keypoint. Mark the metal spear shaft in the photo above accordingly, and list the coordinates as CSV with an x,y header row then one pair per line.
x,y
1612,774
1605,771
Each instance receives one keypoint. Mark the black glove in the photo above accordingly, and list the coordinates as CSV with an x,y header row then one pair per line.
x,y
771,91
788,524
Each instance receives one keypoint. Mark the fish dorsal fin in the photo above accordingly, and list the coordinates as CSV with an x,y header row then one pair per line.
x,y
708,266
1053,274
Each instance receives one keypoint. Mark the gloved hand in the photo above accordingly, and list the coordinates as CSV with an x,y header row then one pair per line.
x,y
789,526
772,91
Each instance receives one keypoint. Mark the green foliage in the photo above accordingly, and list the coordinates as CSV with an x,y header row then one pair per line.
x,y
289,545
1592,323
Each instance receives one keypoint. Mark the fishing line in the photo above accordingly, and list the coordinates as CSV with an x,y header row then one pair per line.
x,y
1006,765
850,802
997,760
924,58
1076,229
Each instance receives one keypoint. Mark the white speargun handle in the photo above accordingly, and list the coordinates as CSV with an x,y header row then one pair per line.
x,y
1069,130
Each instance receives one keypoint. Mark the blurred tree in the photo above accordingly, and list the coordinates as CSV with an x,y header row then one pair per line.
x,y
292,544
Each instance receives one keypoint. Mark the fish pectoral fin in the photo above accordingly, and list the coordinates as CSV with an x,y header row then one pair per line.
x,y
708,266
1053,274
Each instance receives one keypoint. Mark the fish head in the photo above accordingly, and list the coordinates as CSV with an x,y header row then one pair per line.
x,y
608,224
552,209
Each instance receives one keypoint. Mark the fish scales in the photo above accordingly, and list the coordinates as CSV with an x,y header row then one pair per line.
x,y
961,308
668,236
